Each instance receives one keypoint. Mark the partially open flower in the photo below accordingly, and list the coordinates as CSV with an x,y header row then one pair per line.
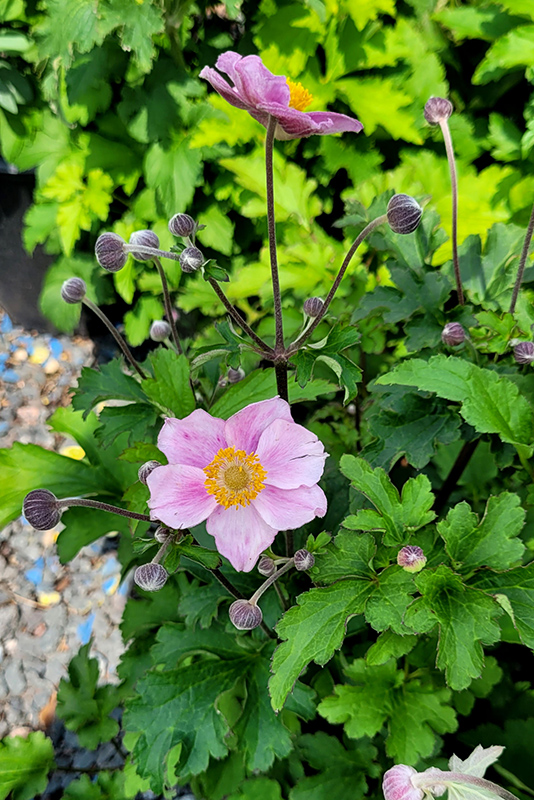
x,y
411,558
452,334
151,577
244,615
404,213
437,109
160,330
524,352
73,290
266,566
109,251
191,259
304,560
182,225
256,90
146,239
42,509
146,469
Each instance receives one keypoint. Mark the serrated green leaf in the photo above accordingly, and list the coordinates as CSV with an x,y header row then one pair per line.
x,y
24,765
83,527
349,555
66,315
219,230
410,294
136,419
137,322
391,595
475,23
109,382
514,50
170,387
257,789
174,172
389,645
518,586
200,603
137,25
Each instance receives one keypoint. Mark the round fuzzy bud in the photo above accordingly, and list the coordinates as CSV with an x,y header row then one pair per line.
x,y
452,334
397,784
235,375
524,352
266,566
404,213
146,239
411,558
73,290
151,577
244,615
41,509
304,560
109,251
145,470
191,259
437,110
160,330
313,306
182,225
162,534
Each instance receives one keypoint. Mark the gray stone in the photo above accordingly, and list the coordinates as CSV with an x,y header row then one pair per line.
x,y
9,617
14,678
3,688
55,670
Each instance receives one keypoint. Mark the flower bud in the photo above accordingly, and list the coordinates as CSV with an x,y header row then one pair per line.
x,y
109,251
524,352
151,577
411,558
182,225
73,290
146,239
191,259
162,533
452,334
266,566
313,306
145,470
397,784
235,375
42,509
437,110
160,330
304,560
244,615
404,213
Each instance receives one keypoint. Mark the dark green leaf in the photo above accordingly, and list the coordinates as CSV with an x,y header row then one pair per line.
x,y
137,419
109,382
518,586
170,387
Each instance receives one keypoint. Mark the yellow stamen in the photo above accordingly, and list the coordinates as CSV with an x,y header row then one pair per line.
x,y
234,477
300,98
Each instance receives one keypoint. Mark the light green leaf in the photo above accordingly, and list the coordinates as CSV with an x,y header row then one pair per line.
x,y
24,765
391,113
349,555
219,230
137,25
170,387
514,50
174,172
389,645
364,11
137,322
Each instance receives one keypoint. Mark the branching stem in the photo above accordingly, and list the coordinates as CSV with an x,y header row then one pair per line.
x,y
168,307
268,352
67,502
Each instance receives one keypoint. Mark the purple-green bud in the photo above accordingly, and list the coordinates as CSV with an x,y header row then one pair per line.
x,y
235,375
42,509
191,259
146,239
182,225
151,577
304,560
109,251
244,615
160,330
313,306
73,290
162,533
404,213
437,109
524,352
452,334
266,566
145,470
411,558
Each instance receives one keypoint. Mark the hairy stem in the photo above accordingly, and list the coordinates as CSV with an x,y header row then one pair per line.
x,y
217,574
277,298
67,502
454,475
462,777
238,319
270,580
151,252
444,125
522,261
168,307
290,544
116,335
280,371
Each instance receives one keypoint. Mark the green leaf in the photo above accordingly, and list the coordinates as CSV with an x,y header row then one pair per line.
x,y
349,555
395,515
489,277
489,402
470,22
257,789
200,603
219,230
518,586
137,419
39,222
389,645
491,543
174,172
392,113
466,620
84,707
313,630
109,382
512,51
170,387
62,27
84,526
137,25
67,315
24,765
200,555
137,322
391,595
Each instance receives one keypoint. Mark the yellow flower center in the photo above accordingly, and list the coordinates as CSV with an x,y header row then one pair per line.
x,y
234,477
300,98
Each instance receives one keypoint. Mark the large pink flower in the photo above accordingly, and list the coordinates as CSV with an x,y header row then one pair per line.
x,y
249,477
256,90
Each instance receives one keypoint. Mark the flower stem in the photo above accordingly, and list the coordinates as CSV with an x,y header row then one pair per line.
x,y
168,307
473,780
163,550
67,502
290,545
238,319
116,335
280,371
444,125
152,252
217,574
296,345
522,261
277,298
454,475
270,580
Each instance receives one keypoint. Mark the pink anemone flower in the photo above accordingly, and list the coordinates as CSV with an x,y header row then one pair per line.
x,y
256,90
250,476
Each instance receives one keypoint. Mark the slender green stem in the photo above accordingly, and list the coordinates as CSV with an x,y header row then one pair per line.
x,y
462,460
151,252
160,555
296,345
67,502
270,580
522,261
444,125
116,335
277,297
168,307
268,352
217,574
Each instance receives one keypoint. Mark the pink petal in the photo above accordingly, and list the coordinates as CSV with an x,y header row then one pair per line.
x,y
292,455
240,535
244,429
222,86
397,784
178,497
193,440
257,85
285,509
306,123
